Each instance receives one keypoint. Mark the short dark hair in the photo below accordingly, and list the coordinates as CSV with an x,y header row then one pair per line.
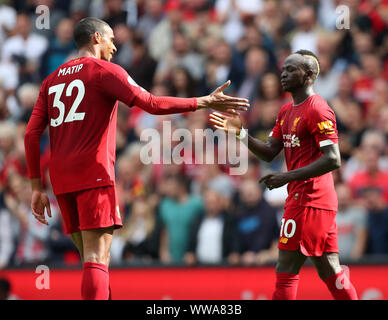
x,y
309,54
85,29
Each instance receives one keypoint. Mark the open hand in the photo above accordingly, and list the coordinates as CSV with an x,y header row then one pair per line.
x,y
229,123
219,101
39,202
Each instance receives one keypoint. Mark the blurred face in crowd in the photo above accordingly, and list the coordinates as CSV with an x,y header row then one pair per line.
x,y
140,209
344,196
373,200
213,202
344,85
325,63
371,156
250,193
222,53
180,44
122,33
180,79
363,42
23,25
64,31
306,19
126,170
256,61
154,7
113,6
270,86
371,65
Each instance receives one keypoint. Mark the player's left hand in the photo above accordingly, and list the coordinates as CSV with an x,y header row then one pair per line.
x,y
274,180
39,202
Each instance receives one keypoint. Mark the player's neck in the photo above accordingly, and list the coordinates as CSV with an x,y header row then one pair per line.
x,y
302,94
89,52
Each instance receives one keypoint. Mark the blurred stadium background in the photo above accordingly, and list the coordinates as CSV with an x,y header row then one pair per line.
x,y
167,248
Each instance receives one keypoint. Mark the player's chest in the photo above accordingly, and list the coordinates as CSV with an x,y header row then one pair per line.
x,y
294,128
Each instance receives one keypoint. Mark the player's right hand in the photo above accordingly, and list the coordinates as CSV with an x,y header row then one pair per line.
x,y
39,202
229,123
219,101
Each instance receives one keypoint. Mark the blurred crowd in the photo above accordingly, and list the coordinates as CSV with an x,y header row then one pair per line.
x,y
197,213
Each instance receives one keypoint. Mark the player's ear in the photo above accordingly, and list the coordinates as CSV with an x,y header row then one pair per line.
x,y
309,75
97,37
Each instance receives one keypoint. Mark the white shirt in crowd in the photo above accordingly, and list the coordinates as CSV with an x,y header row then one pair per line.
x,y
209,245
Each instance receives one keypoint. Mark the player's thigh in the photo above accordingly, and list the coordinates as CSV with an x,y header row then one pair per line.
x,y
327,265
68,205
290,261
96,244
77,240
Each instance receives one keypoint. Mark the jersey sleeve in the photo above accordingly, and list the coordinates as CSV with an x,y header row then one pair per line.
x,y
322,125
35,127
120,86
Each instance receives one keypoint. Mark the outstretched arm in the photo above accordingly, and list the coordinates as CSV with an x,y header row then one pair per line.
x,y
217,100
116,82
232,123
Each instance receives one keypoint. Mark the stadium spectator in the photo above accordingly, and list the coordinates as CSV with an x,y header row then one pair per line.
x,y
177,211
27,94
26,49
6,235
305,35
138,240
180,55
115,13
352,225
7,20
269,100
59,47
327,83
233,13
182,83
142,66
257,225
162,35
224,63
377,208
31,248
213,236
371,174
256,61
150,19
123,36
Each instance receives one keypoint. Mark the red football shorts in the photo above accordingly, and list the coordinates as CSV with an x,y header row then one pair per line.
x,y
90,209
312,231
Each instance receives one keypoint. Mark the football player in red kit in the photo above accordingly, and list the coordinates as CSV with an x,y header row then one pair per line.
x,y
79,103
306,129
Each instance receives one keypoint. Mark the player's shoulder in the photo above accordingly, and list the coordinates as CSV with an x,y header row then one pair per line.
x,y
285,107
319,105
107,65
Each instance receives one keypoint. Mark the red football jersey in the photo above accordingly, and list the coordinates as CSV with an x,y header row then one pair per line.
x,y
303,129
79,104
